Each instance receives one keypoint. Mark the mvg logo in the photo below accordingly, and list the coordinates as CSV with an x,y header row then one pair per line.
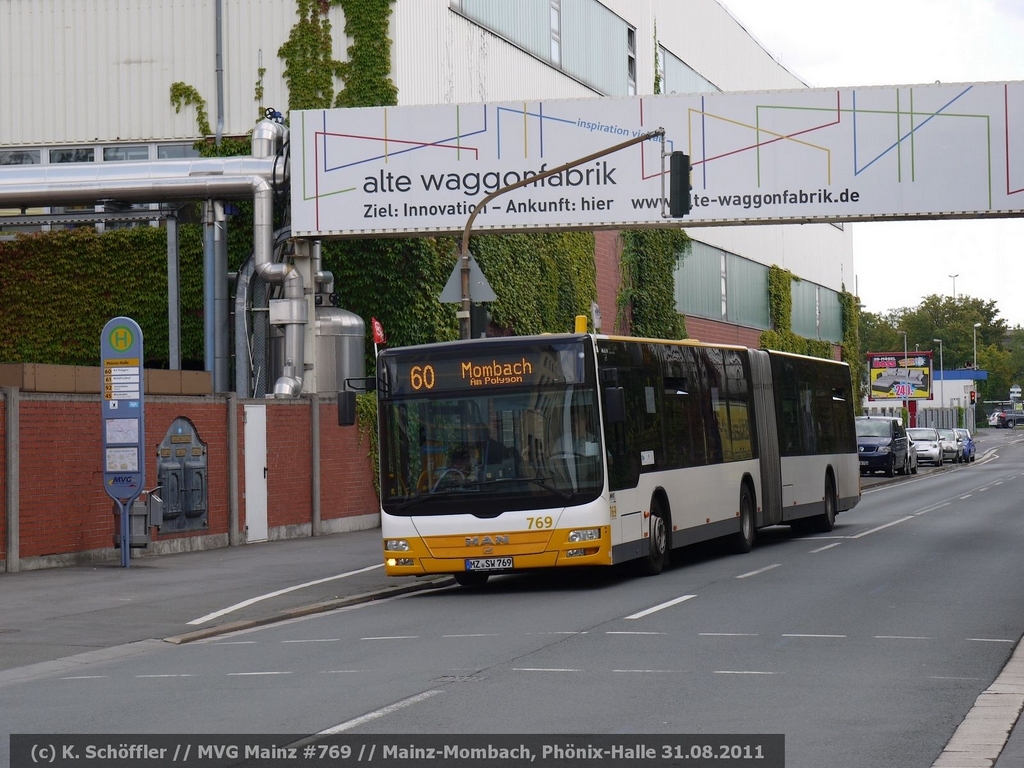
x,y
121,479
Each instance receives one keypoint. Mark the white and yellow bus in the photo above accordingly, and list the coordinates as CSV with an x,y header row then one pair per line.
x,y
500,455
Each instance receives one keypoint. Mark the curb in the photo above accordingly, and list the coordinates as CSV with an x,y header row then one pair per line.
x,y
306,610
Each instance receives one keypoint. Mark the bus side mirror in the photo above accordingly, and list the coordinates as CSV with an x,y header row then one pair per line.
x,y
614,405
346,409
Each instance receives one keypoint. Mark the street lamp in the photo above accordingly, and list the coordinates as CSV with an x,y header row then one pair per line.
x,y
954,284
906,374
976,327
942,386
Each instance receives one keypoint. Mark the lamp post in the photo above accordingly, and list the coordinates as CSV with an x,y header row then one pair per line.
x,y
906,374
954,284
976,327
942,386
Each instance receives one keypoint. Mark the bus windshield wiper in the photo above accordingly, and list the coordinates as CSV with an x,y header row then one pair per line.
x,y
439,494
561,492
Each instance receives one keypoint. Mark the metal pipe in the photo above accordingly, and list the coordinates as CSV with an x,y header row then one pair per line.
x,y
173,295
221,308
233,538
209,246
220,71
12,467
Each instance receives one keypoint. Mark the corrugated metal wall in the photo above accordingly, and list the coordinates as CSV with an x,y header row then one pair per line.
x,y
82,71
99,71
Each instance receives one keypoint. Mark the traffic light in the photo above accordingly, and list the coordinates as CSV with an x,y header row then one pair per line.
x,y
974,396
678,184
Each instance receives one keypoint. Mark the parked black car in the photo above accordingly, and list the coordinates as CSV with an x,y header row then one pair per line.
x,y
882,445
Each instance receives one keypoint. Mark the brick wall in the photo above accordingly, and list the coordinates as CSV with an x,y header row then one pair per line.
x,y
607,248
717,332
65,511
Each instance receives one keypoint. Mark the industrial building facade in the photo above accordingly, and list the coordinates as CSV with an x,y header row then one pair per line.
x,y
96,83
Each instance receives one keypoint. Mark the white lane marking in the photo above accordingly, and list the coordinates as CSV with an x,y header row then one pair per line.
x,y
989,640
727,634
392,637
901,637
800,635
286,590
256,674
377,713
481,634
965,496
943,677
635,633
660,607
544,669
182,675
882,527
558,633
932,508
741,672
827,546
234,642
323,640
759,570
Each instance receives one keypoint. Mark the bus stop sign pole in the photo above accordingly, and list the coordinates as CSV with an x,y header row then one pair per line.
x,y
124,424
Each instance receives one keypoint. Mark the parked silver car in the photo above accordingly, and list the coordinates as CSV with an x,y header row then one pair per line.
x,y
928,445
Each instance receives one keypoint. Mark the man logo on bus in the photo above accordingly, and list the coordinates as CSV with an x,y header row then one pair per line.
x,y
476,541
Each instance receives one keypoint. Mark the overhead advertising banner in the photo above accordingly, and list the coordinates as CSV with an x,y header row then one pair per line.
x,y
895,376
916,151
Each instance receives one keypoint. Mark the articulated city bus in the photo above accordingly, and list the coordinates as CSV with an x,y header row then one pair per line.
x,y
499,455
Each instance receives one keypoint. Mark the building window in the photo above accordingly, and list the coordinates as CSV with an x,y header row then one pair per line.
x,y
74,155
123,153
19,157
176,151
662,55
556,32
631,61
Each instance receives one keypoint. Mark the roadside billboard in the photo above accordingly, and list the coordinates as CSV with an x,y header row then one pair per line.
x,y
895,376
886,152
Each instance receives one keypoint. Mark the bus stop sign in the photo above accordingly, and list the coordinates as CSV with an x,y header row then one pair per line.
x,y
124,433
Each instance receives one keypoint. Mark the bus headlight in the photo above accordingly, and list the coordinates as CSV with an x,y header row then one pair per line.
x,y
400,561
396,545
585,534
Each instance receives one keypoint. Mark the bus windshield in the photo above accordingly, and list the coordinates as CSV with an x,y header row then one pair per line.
x,y
528,442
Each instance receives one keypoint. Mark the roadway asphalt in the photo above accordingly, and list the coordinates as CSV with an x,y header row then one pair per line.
x,y
58,619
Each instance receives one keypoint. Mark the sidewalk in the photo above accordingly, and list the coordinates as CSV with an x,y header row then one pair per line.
x,y
52,614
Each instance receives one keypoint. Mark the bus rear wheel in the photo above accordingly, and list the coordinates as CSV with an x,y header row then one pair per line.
x,y
826,521
470,578
657,550
743,540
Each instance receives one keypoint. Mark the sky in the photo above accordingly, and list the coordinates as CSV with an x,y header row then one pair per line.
x,y
842,43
